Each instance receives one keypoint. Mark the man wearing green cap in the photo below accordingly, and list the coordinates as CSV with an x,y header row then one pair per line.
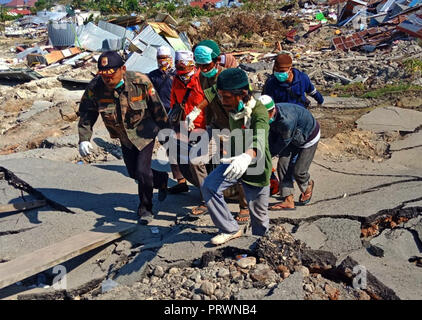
x,y
207,58
251,163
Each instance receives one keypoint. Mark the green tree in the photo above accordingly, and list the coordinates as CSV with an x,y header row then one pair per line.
x,y
43,4
77,4
131,6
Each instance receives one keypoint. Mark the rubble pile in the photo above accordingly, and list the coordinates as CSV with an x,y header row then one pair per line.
x,y
274,270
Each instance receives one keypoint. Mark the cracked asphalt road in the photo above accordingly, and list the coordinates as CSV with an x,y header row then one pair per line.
x,y
357,206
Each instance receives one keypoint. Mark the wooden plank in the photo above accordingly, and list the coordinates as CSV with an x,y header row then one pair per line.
x,y
22,206
37,261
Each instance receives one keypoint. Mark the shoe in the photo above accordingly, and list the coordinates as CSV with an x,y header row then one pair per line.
x,y
179,188
162,194
307,194
146,218
224,237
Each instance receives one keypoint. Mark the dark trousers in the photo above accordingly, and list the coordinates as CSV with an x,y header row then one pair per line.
x,y
299,171
138,164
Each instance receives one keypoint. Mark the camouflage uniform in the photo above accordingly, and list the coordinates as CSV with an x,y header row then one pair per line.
x,y
134,114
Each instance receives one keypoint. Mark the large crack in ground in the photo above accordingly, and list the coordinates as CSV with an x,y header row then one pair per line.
x,y
18,183
369,190
279,250
8,233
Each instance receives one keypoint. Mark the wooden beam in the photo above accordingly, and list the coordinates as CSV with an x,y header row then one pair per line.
x,y
22,206
37,261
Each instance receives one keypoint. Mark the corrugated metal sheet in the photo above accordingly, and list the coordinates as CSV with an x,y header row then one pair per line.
x,y
92,38
151,38
72,61
185,39
55,16
385,6
144,63
20,75
116,30
61,34
32,20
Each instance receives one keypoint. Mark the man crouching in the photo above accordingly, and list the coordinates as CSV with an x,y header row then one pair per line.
x,y
251,164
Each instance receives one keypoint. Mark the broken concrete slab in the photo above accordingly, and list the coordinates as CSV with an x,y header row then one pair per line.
x,y
37,107
39,260
67,95
342,78
345,103
390,119
407,151
416,226
66,154
394,270
343,235
289,289
135,270
391,186
251,294
311,235
57,180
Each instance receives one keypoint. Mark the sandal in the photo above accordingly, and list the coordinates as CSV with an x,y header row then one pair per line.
x,y
242,216
307,194
281,206
199,210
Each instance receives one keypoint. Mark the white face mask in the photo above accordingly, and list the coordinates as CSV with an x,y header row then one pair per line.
x,y
185,77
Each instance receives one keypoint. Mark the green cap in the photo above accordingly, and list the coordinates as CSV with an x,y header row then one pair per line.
x,y
213,45
267,101
232,79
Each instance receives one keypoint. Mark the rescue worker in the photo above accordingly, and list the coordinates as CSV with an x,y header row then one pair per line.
x,y
132,112
162,77
187,91
293,132
253,153
288,84
207,57
227,60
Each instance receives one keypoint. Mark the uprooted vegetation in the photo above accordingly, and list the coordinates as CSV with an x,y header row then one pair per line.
x,y
241,26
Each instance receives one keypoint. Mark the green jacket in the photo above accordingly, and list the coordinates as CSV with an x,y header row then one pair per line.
x,y
132,113
258,140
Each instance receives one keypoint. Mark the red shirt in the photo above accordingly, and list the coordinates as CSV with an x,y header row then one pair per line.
x,y
196,96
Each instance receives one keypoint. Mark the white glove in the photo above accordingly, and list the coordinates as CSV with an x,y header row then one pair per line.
x,y
238,166
191,117
84,148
